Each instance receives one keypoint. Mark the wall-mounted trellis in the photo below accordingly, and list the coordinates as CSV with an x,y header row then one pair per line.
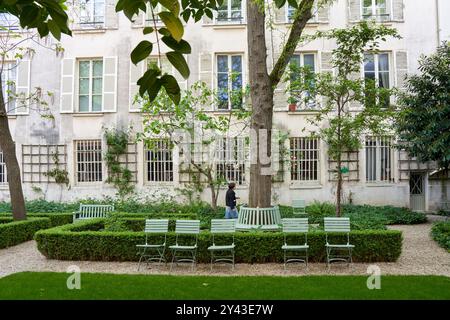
x,y
129,160
38,160
407,164
350,160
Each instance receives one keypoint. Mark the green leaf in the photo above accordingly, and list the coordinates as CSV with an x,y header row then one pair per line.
x,y
173,24
148,30
147,80
280,3
182,46
293,3
142,51
54,29
172,5
164,32
172,88
154,90
178,61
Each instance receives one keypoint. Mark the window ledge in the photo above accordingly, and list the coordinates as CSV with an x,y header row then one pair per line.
x,y
303,112
89,30
380,184
12,116
294,186
4,186
159,183
87,114
228,26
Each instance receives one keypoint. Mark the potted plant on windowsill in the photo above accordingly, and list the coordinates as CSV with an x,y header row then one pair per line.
x,y
292,104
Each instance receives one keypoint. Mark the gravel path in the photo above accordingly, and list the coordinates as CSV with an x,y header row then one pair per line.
x,y
420,256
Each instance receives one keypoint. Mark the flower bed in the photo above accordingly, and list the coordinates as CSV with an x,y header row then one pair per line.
x,y
86,241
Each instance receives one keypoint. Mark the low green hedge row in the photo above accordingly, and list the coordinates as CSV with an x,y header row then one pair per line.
x,y
441,234
83,241
56,219
15,232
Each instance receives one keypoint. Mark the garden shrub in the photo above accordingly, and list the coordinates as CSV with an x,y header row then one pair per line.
x,y
15,232
81,241
441,234
56,219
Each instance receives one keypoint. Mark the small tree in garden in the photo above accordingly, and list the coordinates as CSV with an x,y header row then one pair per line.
x,y
423,123
339,127
193,130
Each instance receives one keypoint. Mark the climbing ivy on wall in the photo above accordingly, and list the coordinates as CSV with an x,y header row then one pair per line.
x,y
118,175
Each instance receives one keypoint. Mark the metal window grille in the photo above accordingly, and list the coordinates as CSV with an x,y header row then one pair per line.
x,y
159,161
379,159
89,160
304,159
3,173
128,160
38,159
350,160
231,154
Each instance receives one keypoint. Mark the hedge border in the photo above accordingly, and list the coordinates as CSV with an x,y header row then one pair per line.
x,y
56,219
16,232
78,242
441,234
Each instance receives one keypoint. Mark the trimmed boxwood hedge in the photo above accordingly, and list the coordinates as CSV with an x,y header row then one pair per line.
x,y
441,234
83,241
15,232
56,219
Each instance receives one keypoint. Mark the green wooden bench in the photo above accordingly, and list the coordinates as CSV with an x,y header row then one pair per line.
x,y
91,211
265,219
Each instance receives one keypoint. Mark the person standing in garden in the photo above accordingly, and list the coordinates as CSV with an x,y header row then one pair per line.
x,y
230,202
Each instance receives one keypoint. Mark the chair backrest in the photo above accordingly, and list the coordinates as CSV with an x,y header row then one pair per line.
x,y
298,203
223,225
293,225
187,227
156,226
337,224
95,210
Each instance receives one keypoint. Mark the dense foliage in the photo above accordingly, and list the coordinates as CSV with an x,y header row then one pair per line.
x,y
441,234
84,241
15,232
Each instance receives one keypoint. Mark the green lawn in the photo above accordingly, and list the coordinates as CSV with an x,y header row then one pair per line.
x,y
29,285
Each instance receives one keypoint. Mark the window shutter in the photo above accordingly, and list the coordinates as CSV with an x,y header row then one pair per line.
x,y
401,66
109,84
397,10
280,14
23,86
326,66
138,21
354,10
111,17
323,13
136,71
206,72
67,85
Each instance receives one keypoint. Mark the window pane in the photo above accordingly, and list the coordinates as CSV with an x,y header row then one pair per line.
x,y
97,68
222,63
236,4
369,64
84,103
381,7
84,69
383,62
309,61
223,90
84,86
97,86
236,63
97,103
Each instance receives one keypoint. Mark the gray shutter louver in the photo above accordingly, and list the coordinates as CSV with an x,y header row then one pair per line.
x,y
280,14
280,97
323,13
109,84
354,10
136,71
325,66
401,66
206,72
23,86
67,85
111,16
397,10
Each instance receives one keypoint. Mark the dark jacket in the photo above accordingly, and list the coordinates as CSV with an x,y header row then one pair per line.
x,y
230,199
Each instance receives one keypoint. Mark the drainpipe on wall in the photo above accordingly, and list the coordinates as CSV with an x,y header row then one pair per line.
x,y
438,24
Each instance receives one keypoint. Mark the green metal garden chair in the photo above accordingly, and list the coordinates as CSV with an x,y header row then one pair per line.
x,y
298,206
153,251
222,227
295,225
343,250
187,250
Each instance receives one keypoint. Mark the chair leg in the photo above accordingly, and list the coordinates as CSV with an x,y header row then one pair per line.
x,y
173,259
140,259
306,259
212,260
232,252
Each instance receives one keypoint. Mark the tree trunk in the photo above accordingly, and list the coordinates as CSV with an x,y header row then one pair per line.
x,y
261,93
12,166
339,188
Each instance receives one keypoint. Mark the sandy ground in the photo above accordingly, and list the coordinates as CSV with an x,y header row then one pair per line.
x,y
420,256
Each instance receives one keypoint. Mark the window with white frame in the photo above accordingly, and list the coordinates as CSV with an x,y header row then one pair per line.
x,y
9,22
9,75
90,85
376,9
302,60
305,153
230,12
376,69
379,159
290,12
152,14
229,81
231,154
3,174
159,161
88,156
92,13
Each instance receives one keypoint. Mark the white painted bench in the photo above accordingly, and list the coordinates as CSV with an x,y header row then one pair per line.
x,y
90,211
265,219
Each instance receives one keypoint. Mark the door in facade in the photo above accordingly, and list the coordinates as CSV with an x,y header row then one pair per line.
x,y
417,191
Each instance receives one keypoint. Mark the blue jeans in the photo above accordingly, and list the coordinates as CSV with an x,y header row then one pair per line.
x,y
231,213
